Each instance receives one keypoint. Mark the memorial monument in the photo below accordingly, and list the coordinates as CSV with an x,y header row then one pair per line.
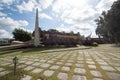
x,y
37,33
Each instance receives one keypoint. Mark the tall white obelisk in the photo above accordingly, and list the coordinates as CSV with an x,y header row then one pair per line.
x,y
36,34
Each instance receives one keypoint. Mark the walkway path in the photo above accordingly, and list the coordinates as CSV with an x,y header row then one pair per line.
x,y
98,63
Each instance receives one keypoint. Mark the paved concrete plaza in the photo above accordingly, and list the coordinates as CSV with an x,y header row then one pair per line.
x,y
96,63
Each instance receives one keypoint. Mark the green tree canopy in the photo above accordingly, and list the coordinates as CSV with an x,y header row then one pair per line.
x,y
108,24
21,35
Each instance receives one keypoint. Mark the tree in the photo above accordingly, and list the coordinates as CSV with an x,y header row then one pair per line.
x,y
108,24
102,29
114,21
40,32
53,30
21,35
100,26
79,38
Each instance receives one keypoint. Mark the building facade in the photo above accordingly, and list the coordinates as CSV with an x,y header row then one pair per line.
x,y
59,38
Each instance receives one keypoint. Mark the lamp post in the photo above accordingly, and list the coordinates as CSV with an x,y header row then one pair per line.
x,y
15,61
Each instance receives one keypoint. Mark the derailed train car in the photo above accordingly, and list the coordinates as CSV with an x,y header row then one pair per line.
x,y
59,38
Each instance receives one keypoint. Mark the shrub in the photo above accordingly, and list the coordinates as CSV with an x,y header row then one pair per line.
x,y
78,45
94,44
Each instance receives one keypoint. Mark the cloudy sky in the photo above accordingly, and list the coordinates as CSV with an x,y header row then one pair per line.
x,y
63,15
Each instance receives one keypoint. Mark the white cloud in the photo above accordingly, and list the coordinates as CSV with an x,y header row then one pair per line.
x,y
76,16
1,8
85,29
27,6
45,3
80,14
62,28
2,14
8,2
43,15
93,2
61,5
22,23
32,4
9,23
74,11
104,5
5,34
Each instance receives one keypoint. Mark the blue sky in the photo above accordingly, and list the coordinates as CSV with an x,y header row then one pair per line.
x,y
63,15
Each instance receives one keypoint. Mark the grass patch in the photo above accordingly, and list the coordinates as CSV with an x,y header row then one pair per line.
x,y
30,54
9,51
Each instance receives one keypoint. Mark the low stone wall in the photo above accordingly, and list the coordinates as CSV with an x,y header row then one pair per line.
x,y
12,46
